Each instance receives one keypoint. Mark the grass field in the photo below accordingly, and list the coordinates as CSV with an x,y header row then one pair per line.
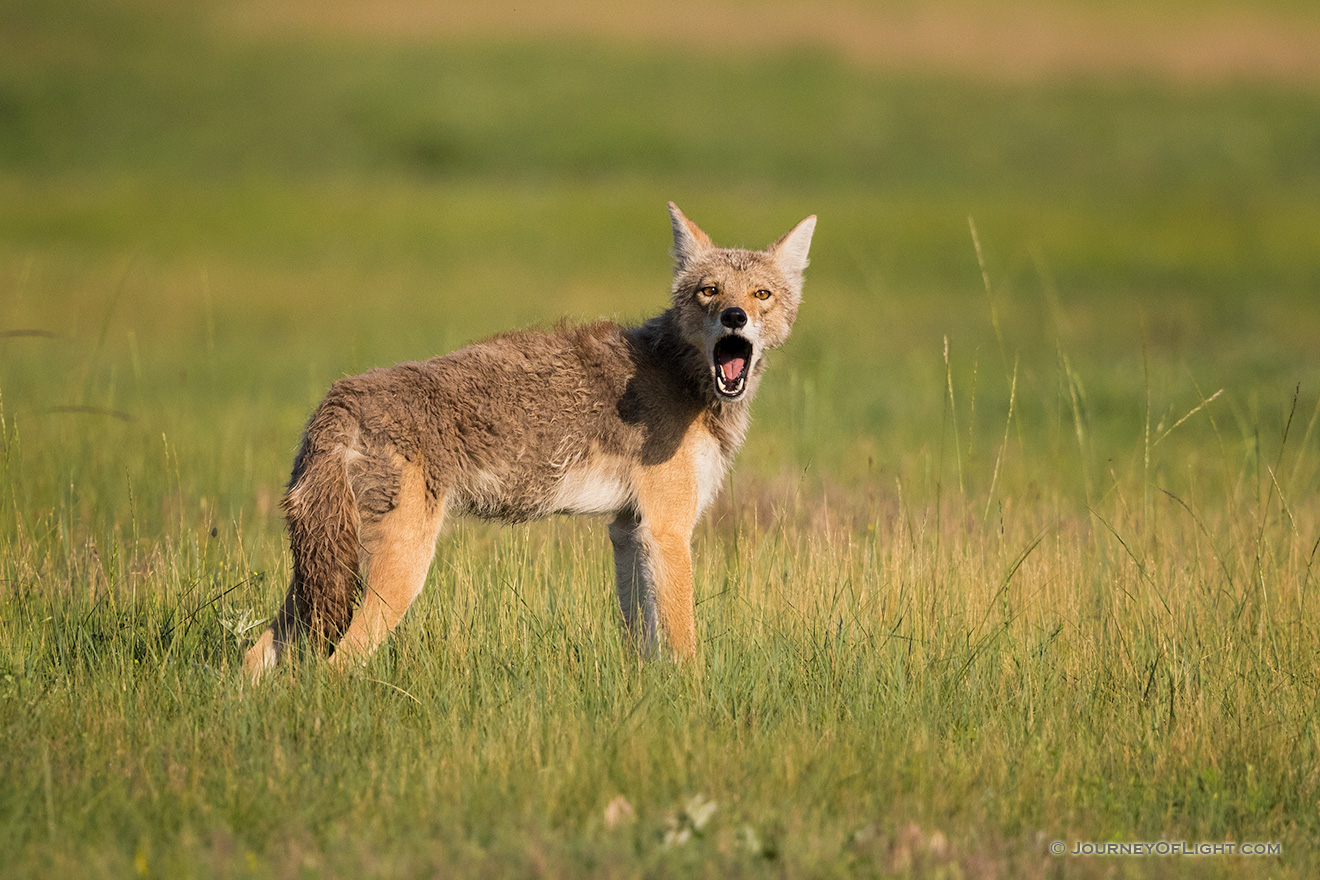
x,y
1021,548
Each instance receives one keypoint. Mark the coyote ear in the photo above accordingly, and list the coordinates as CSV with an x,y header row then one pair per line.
x,y
689,240
790,252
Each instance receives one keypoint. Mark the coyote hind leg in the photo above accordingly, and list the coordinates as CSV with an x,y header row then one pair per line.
x,y
397,551
266,653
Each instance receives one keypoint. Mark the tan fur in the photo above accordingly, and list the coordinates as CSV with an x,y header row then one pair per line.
x,y
397,553
667,507
639,422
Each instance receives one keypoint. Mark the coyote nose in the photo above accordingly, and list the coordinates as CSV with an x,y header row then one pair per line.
x,y
734,319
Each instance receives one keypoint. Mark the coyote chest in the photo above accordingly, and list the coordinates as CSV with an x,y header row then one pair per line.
x,y
604,483
599,485
639,424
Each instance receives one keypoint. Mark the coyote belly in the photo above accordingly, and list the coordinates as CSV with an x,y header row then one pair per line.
x,y
639,423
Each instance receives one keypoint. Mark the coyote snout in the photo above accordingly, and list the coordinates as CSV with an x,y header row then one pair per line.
x,y
734,318
639,423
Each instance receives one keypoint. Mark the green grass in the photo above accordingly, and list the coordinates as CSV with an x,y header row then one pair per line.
x,y
1005,595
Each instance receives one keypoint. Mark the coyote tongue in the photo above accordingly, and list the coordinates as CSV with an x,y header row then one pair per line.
x,y
732,357
731,365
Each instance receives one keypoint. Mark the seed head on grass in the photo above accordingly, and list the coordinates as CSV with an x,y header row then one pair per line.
x,y
238,625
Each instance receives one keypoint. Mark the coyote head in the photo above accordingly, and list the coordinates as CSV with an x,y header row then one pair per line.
x,y
734,304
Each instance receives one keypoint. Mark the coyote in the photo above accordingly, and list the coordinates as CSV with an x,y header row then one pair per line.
x,y
639,423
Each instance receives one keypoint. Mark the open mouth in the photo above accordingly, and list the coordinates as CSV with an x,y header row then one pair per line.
x,y
733,360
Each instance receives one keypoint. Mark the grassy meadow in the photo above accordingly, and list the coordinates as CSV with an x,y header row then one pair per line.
x,y
1021,548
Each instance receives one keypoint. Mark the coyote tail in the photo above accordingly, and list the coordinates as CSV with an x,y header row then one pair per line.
x,y
323,520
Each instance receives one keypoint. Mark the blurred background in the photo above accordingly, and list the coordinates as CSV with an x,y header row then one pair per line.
x,y
211,210
1068,256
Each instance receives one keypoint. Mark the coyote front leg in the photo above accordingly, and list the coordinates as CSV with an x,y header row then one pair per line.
x,y
636,587
669,552
667,503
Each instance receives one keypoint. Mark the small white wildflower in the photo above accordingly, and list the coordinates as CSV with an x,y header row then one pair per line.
x,y
619,812
699,810
690,820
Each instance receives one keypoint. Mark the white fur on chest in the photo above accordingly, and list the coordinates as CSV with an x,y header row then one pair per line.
x,y
602,485
711,466
594,486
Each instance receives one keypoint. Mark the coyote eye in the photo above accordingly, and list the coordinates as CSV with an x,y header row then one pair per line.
x,y
762,294
708,290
